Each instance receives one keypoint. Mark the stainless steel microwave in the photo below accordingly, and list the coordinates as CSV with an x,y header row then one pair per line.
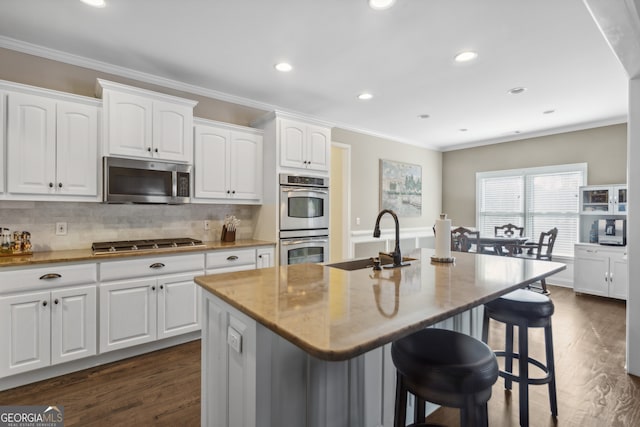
x,y
144,181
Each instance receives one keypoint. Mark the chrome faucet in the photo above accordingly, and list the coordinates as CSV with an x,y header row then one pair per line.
x,y
397,256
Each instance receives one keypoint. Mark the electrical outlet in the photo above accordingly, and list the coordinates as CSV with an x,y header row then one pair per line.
x,y
234,339
61,228
207,225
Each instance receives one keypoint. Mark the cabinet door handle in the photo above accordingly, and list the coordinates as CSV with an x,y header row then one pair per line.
x,y
161,287
59,185
55,301
606,278
51,185
44,303
232,258
156,265
611,278
156,150
153,288
149,149
50,276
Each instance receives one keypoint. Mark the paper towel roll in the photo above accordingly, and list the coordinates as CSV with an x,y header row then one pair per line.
x,y
443,237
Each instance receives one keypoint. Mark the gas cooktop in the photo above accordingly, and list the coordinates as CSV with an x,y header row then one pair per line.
x,y
144,245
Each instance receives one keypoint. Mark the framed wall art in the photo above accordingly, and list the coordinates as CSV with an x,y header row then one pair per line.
x,y
401,188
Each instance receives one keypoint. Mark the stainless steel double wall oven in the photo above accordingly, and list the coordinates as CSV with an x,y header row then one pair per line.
x,y
304,219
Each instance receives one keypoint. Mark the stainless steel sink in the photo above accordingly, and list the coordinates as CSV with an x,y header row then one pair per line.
x,y
358,264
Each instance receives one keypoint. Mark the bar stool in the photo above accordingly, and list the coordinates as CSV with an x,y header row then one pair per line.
x,y
446,368
524,309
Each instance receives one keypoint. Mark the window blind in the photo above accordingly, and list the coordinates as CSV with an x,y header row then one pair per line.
x,y
536,198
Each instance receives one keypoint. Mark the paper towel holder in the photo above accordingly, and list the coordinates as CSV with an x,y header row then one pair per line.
x,y
441,259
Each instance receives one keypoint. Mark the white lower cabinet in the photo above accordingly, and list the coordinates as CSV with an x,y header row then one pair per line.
x,y
153,298
46,325
601,270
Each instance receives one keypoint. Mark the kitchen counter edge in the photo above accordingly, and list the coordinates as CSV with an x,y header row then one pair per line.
x,y
73,255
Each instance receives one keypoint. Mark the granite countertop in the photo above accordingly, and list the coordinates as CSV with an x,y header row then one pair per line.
x,y
87,255
334,314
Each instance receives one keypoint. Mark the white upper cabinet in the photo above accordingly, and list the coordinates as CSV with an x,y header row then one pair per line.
x,y
51,146
304,146
145,124
603,199
228,163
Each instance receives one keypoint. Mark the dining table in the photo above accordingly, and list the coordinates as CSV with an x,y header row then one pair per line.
x,y
502,245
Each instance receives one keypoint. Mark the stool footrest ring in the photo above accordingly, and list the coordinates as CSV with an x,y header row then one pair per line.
x,y
534,381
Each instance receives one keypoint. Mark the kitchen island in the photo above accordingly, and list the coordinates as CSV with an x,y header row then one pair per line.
x,y
308,344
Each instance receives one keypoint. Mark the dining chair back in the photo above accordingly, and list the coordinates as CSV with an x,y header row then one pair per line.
x,y
508,230
542,250
464,240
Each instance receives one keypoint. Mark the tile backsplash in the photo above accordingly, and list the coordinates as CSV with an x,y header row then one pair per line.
x,y
95,222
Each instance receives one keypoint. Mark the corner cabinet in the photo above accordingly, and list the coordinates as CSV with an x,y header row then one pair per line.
x,y
52,146
228,163
601,270
304,145
146,124
603,199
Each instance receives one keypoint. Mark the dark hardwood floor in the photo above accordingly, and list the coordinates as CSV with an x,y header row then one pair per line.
x,y
163,388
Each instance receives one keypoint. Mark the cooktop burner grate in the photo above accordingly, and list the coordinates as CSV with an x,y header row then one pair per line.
x,y
144,245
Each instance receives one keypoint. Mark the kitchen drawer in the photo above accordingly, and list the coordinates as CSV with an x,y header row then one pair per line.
x,y
150,266
54,275
226,259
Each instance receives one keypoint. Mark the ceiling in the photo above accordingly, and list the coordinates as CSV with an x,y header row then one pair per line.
x,y
340,48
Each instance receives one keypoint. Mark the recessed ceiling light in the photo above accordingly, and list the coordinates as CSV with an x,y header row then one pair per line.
x,y
463,129
465,56
285,67
424,116
517,90
549,112
516,132
94,3
381,4
365,96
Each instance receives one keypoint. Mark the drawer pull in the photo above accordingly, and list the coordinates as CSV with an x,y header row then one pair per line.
x,y
232,258
50,276
156,265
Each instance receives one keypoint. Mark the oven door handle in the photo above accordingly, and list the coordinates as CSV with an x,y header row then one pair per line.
x,y
300,242
303,190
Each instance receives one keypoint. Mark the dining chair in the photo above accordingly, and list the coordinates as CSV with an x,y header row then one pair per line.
x,y
543,250
465,240
506,230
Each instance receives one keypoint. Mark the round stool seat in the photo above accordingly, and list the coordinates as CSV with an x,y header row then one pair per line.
x,y
446,367
520,304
